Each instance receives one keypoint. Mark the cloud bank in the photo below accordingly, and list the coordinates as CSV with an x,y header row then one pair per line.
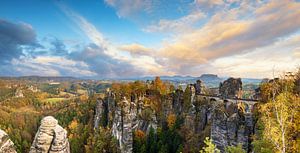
x,y
227,37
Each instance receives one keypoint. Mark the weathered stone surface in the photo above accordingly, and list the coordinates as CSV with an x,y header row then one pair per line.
x,y
230,88
198,87
177,104
117,126
123,125
231,127
50,138
6,145
228,122
101,114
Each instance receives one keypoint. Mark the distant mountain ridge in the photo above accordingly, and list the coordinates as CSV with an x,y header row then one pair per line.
x,y
43,78
211,80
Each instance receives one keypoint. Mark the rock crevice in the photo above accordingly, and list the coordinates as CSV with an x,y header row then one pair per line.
x,y
6,145
50,138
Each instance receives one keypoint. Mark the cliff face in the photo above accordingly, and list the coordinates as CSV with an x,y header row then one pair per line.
x,y
123,125
50,138
100,115
6,145
231,126
227,121
230,88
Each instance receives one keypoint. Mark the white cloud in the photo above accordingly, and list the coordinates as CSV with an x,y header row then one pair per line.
x,y
297,52
136,49
182,24
128,8
50,66
228,33
112,57
236,41
261,62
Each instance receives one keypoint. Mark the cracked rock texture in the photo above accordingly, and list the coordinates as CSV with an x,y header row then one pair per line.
x,y
50,138
6,145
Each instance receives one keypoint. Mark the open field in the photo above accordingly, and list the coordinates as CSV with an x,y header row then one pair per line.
x,y
54,100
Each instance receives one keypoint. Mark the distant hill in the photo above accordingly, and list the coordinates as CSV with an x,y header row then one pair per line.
x,y
42,78
210,80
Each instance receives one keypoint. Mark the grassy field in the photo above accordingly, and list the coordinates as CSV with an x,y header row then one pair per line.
x,y
54,100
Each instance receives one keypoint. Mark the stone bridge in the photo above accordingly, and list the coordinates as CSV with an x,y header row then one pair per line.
x,y
249,103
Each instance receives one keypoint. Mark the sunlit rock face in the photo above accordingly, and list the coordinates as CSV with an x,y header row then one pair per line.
x,y
123,125
50,138
117,126
6,145
230,88
225,121
131,115
230,126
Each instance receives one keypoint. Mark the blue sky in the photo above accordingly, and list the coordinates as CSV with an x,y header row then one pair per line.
x,y
130,38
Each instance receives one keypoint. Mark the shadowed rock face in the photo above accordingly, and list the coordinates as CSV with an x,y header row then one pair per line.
x,y
230,88
6,145
231,127
198,87
226,122
50,138
128,117
101,114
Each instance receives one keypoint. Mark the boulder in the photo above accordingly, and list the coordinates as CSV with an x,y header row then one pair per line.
x,y
6,145
50,138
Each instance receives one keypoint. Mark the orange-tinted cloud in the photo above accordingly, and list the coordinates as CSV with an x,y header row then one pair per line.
x,y
228,33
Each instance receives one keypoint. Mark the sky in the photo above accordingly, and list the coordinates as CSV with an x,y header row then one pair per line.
x,y
135,38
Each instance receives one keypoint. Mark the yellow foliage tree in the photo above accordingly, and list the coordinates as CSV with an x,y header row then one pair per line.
x,y
171,120
280,116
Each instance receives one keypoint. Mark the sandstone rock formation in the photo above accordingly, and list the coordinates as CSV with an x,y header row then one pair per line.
x,y
123,127
231,127
231,88
101,114
178,102
198,87
6,145
225,121
50,138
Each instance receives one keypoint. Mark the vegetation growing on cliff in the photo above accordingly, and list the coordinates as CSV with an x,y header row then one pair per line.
x,y
279,116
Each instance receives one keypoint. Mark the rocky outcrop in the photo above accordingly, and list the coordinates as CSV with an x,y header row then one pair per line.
x,y
177,104
198,87
101,114
231,127
225,121
117,126
50,138
231,88
6,145
123,125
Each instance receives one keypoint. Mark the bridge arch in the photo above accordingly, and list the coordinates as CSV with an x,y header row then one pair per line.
x,y
212,99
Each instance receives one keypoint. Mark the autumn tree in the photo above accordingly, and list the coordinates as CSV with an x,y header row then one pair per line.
x,y
171,119
159,85
235,149
280,115
210,147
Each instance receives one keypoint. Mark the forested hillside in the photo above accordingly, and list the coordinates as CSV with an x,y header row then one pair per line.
x,y
155,116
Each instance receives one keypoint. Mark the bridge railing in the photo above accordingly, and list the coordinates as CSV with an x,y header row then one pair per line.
x,y
219,96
